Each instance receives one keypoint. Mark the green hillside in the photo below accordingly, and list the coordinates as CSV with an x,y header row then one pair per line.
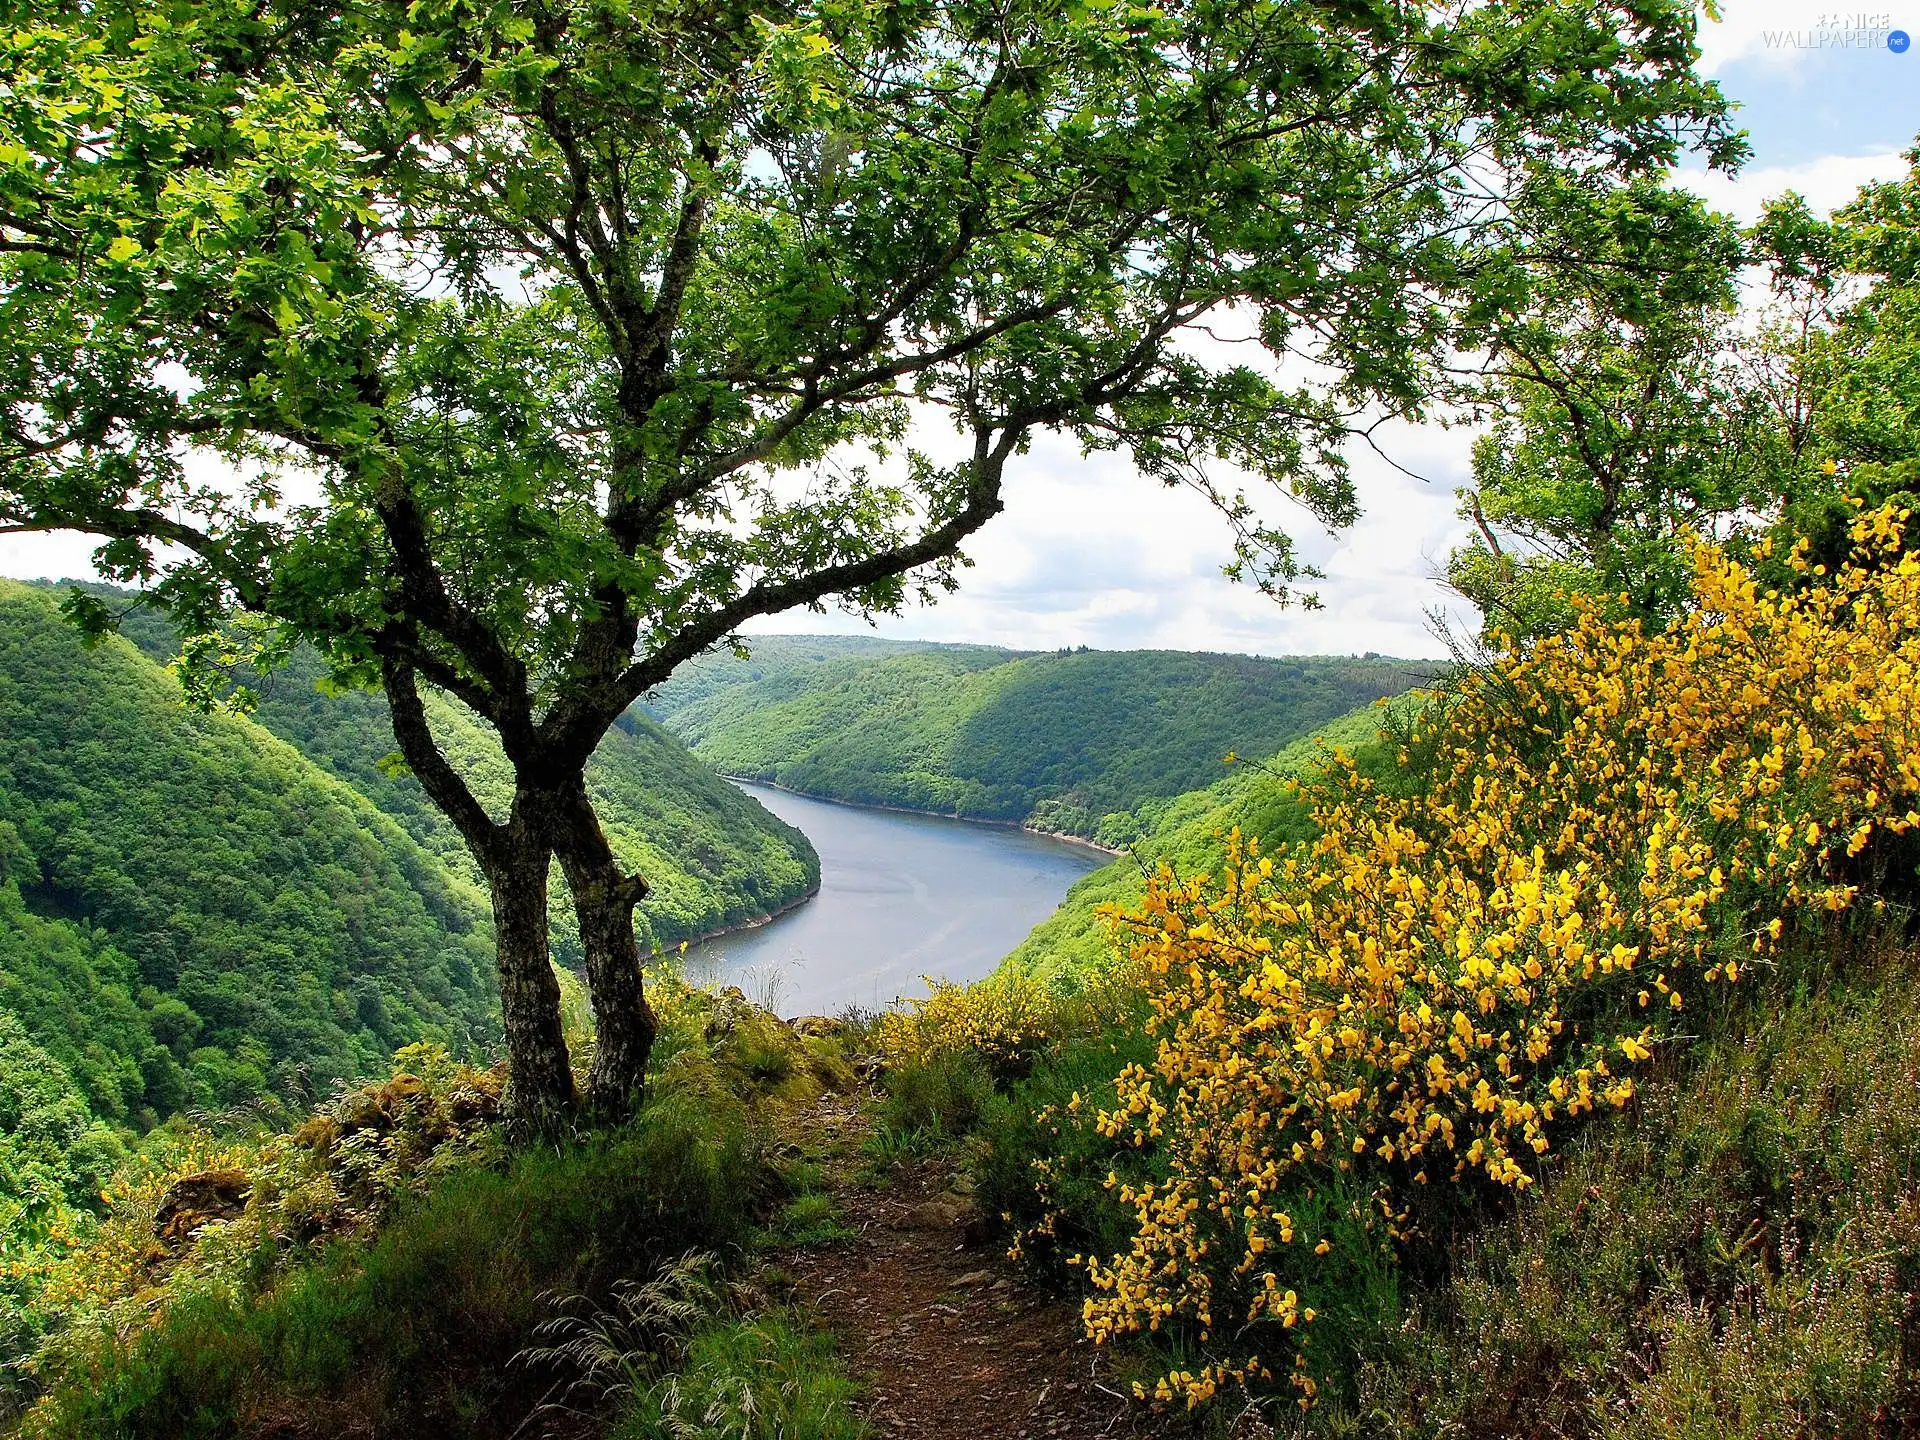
x,y
1186,832
1080,742
776,656
713,856
190,912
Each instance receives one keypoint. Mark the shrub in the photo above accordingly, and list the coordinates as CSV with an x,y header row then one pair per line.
x,y
941,1094
1446,975
1044,1166
1739,1262
1010,1019
410,1331
1002,1021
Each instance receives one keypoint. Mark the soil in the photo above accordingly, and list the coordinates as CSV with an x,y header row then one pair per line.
x,y
947,1336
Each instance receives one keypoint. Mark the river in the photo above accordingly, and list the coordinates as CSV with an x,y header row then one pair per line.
x,y
901,896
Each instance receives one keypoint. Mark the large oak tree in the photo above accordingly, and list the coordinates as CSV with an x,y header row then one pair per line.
x,y
544,343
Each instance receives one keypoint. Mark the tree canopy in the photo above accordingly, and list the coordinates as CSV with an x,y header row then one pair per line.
x,y
545,344
1629,421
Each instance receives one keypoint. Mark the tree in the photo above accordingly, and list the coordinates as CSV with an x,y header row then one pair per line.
x,y
1620,425
1628,418
1860,418
549,343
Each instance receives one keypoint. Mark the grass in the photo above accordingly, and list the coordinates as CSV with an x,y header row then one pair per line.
x,y
944,1095
1738,1260
768,1377
925,1109
677,1356
411,1333
810,1219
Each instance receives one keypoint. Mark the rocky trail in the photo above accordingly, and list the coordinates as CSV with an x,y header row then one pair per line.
x,y
947,1336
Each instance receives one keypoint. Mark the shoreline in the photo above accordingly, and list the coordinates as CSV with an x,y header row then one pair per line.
x,y
1079,842
754,924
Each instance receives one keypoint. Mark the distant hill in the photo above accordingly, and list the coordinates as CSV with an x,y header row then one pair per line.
x,y
1075,742
1187,832
776,655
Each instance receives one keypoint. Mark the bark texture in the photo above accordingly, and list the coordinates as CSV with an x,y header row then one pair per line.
x,y
515,858
603,899
540,1094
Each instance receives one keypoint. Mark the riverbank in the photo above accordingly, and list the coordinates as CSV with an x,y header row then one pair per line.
x,y
738,926
1079,841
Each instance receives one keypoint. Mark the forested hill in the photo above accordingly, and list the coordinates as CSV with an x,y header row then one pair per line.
x,y
785,661
191,912
1188,833
202,910
1081,742
712,856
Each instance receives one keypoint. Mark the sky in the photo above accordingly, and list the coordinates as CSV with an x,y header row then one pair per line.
x,y
1089,553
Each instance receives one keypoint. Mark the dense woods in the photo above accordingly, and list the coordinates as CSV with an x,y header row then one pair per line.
x,y
1084,743
194,913
712,856
207,910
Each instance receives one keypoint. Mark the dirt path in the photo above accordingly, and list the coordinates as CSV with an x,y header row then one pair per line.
x,y
948,1337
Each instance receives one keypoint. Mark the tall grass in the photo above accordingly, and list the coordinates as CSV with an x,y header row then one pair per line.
x,y
1737,1259
411,1333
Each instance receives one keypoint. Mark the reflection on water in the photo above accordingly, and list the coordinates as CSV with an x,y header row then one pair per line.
x,y
901,896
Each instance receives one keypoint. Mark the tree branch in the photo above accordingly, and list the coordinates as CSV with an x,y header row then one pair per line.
x,y
422,753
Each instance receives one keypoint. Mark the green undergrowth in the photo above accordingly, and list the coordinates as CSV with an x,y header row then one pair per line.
x,y
1736,1255
392,1268
810,1215
412,1332
1740,1257
691,1355
770,1377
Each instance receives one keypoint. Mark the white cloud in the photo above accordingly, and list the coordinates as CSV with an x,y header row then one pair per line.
x,y
1774,32
63,555
1089,553
1827,183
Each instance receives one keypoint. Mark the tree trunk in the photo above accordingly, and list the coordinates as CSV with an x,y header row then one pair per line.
x,y
603,899
515,858
540,1095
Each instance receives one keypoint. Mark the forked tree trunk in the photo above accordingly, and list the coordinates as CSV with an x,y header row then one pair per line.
x,y
515,858
540,1094
603,899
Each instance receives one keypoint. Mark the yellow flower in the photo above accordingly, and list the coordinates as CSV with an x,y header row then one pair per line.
x,y
1406,978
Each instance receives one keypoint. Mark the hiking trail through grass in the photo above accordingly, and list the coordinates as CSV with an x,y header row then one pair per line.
x,y
947,1336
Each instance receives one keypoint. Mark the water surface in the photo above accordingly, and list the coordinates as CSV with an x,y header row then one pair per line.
x,y
901,896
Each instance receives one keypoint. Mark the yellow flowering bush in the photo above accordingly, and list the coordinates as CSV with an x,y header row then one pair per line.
x,y
1003,1019
1609,818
